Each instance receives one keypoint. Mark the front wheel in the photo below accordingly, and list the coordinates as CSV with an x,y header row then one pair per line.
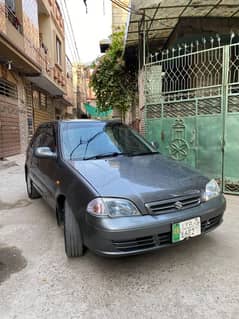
x,y
72,234
31,190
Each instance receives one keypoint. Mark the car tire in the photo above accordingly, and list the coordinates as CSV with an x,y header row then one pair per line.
x,y
31,190
72,235
58,218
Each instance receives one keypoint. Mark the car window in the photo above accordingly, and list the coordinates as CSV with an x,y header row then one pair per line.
x,y
86,140
37,138
76,137
48,138
45,137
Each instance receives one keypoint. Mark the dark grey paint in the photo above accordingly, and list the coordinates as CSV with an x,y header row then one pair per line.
x,y
141,179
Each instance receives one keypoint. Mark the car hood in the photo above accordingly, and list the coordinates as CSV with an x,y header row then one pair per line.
x,y
150,177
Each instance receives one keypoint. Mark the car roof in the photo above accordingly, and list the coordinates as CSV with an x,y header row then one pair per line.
x,y
81,121
57,122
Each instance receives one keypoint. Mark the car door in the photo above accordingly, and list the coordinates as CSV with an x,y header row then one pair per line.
x,y
33,161
48,167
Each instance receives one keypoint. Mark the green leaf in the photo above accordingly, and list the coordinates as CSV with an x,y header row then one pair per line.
x,y
114,85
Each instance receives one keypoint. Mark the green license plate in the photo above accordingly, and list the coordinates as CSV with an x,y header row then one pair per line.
x,y
186,229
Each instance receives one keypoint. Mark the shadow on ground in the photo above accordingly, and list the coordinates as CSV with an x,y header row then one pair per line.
x,y
11,261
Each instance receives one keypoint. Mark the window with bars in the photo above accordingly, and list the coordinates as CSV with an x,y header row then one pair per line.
x,y
58,51
39,100
43,101
13,14
8,89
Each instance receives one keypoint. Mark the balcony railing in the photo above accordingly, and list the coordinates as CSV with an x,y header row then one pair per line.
x,y
57,13
12,17
39,55
50,70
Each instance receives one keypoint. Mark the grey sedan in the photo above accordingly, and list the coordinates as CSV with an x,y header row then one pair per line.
x,y
114,193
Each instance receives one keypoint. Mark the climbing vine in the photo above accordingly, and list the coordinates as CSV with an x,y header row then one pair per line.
x,y
114,84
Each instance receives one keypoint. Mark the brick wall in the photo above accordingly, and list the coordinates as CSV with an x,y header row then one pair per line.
x,y
22,115
2,17
31,28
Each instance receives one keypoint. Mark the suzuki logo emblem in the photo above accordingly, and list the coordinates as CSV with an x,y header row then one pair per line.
x,y
178,205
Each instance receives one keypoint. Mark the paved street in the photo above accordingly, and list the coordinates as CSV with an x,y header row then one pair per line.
x,y
197,279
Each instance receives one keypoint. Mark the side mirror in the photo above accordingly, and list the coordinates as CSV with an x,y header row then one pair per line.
x,y
44,152
155,145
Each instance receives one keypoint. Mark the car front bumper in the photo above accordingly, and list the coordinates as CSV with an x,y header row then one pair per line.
x,y
133,235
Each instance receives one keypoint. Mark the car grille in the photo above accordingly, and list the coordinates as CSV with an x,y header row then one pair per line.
x,y
174,204
143,242
160,239
210,223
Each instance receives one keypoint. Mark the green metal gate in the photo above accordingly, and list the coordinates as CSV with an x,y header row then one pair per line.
x,y
192,108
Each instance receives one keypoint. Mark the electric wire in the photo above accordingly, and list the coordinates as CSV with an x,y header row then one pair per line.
x,y
70,37
123,6
73,34
70,45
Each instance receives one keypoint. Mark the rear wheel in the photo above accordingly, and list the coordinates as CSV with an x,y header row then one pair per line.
x,y
72,234
31,190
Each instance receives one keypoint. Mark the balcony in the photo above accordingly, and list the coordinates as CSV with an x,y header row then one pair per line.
x,y
19,52
51,79
51,8
67,100
56,14
14,20
13,44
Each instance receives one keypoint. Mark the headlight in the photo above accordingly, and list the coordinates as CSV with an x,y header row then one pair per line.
x,y
112,207
212,190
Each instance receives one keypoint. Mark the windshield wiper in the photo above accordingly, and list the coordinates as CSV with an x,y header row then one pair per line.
x,y
114,154
75,148
104,155
84,142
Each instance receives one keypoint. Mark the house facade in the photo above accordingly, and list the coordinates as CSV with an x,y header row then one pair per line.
x,y
33,70
83,92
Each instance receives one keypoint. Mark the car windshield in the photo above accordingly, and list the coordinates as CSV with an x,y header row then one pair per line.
x,y
94,140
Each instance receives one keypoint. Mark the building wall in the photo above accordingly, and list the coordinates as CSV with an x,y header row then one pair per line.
x,y
43,107
2,17
119,16
27,111
13,126
31,28
22,115
50,28
79,81
9,127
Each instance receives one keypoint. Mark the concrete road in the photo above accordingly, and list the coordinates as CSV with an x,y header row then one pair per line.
x,y
197,279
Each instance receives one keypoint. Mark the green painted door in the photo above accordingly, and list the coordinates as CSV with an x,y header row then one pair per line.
x,y
192,111
231,149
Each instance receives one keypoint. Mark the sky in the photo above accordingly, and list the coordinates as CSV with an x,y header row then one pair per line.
x,y
90,28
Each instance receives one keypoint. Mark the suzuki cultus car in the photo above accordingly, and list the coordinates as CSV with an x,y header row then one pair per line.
x,y
114,193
